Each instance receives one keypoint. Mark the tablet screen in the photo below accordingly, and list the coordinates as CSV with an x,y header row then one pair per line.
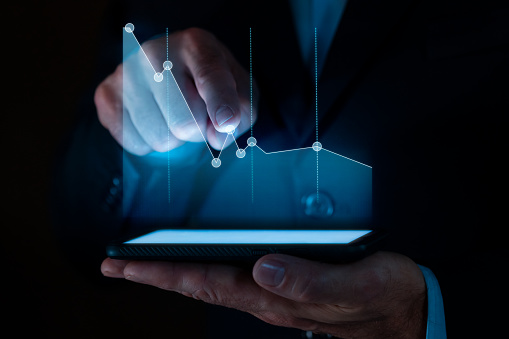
x,y
175,236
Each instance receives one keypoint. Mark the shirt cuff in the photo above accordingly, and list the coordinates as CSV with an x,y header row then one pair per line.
x,y
435,328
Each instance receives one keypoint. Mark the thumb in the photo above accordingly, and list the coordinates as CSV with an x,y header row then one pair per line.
x,y
307,281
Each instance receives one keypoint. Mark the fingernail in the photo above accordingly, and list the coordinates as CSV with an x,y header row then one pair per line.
x,y
270,273
223,114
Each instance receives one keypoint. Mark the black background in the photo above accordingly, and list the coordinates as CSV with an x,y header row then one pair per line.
x,y
49,58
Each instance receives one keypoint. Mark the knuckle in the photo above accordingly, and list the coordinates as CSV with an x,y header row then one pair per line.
x,y
209,60
136,147
197,40
158,137
304,289
208,290
150,47
200,44
132,145
205,70
186,132
104,104
160,145
106,100
195,36
100,94
187,294
211,72
207,296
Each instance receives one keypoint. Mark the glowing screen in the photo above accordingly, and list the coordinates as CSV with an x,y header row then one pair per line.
x,y
173,236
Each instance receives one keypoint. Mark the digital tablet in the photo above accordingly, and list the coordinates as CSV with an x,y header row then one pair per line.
x,y
240,245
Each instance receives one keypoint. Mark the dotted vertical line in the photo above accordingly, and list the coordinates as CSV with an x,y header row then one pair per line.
x,y
251,108
252,176
168,115
316,87
316,115
251,80
317,191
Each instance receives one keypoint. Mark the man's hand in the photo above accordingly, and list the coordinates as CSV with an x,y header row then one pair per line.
x,y
381,296
215,86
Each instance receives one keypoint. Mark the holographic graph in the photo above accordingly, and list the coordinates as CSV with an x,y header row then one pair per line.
x,y
348,169
251,141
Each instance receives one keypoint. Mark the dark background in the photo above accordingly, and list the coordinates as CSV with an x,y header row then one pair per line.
x,y
49,59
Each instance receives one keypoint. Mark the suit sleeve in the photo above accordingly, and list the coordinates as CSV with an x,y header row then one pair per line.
x,y
87,189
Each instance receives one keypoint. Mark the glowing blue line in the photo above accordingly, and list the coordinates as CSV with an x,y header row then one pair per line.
x,y
251,80
199,129
224,143
288,150
346,158
168,111
251,113
316,116
143,52
251,109
235,140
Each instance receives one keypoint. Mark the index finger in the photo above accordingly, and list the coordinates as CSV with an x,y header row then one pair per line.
x,y
209,66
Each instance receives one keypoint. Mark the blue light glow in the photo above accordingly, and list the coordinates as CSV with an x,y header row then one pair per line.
x,y
249,237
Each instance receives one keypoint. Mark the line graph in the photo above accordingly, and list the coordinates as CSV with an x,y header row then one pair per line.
x,y
251,141
324,179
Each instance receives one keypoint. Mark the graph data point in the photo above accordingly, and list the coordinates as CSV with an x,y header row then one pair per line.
x,y
216,162
230,129
129,28
240,153
167,65
251,141
158,77
317,146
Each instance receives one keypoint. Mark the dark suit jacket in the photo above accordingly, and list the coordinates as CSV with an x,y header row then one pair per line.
x,y
417,89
